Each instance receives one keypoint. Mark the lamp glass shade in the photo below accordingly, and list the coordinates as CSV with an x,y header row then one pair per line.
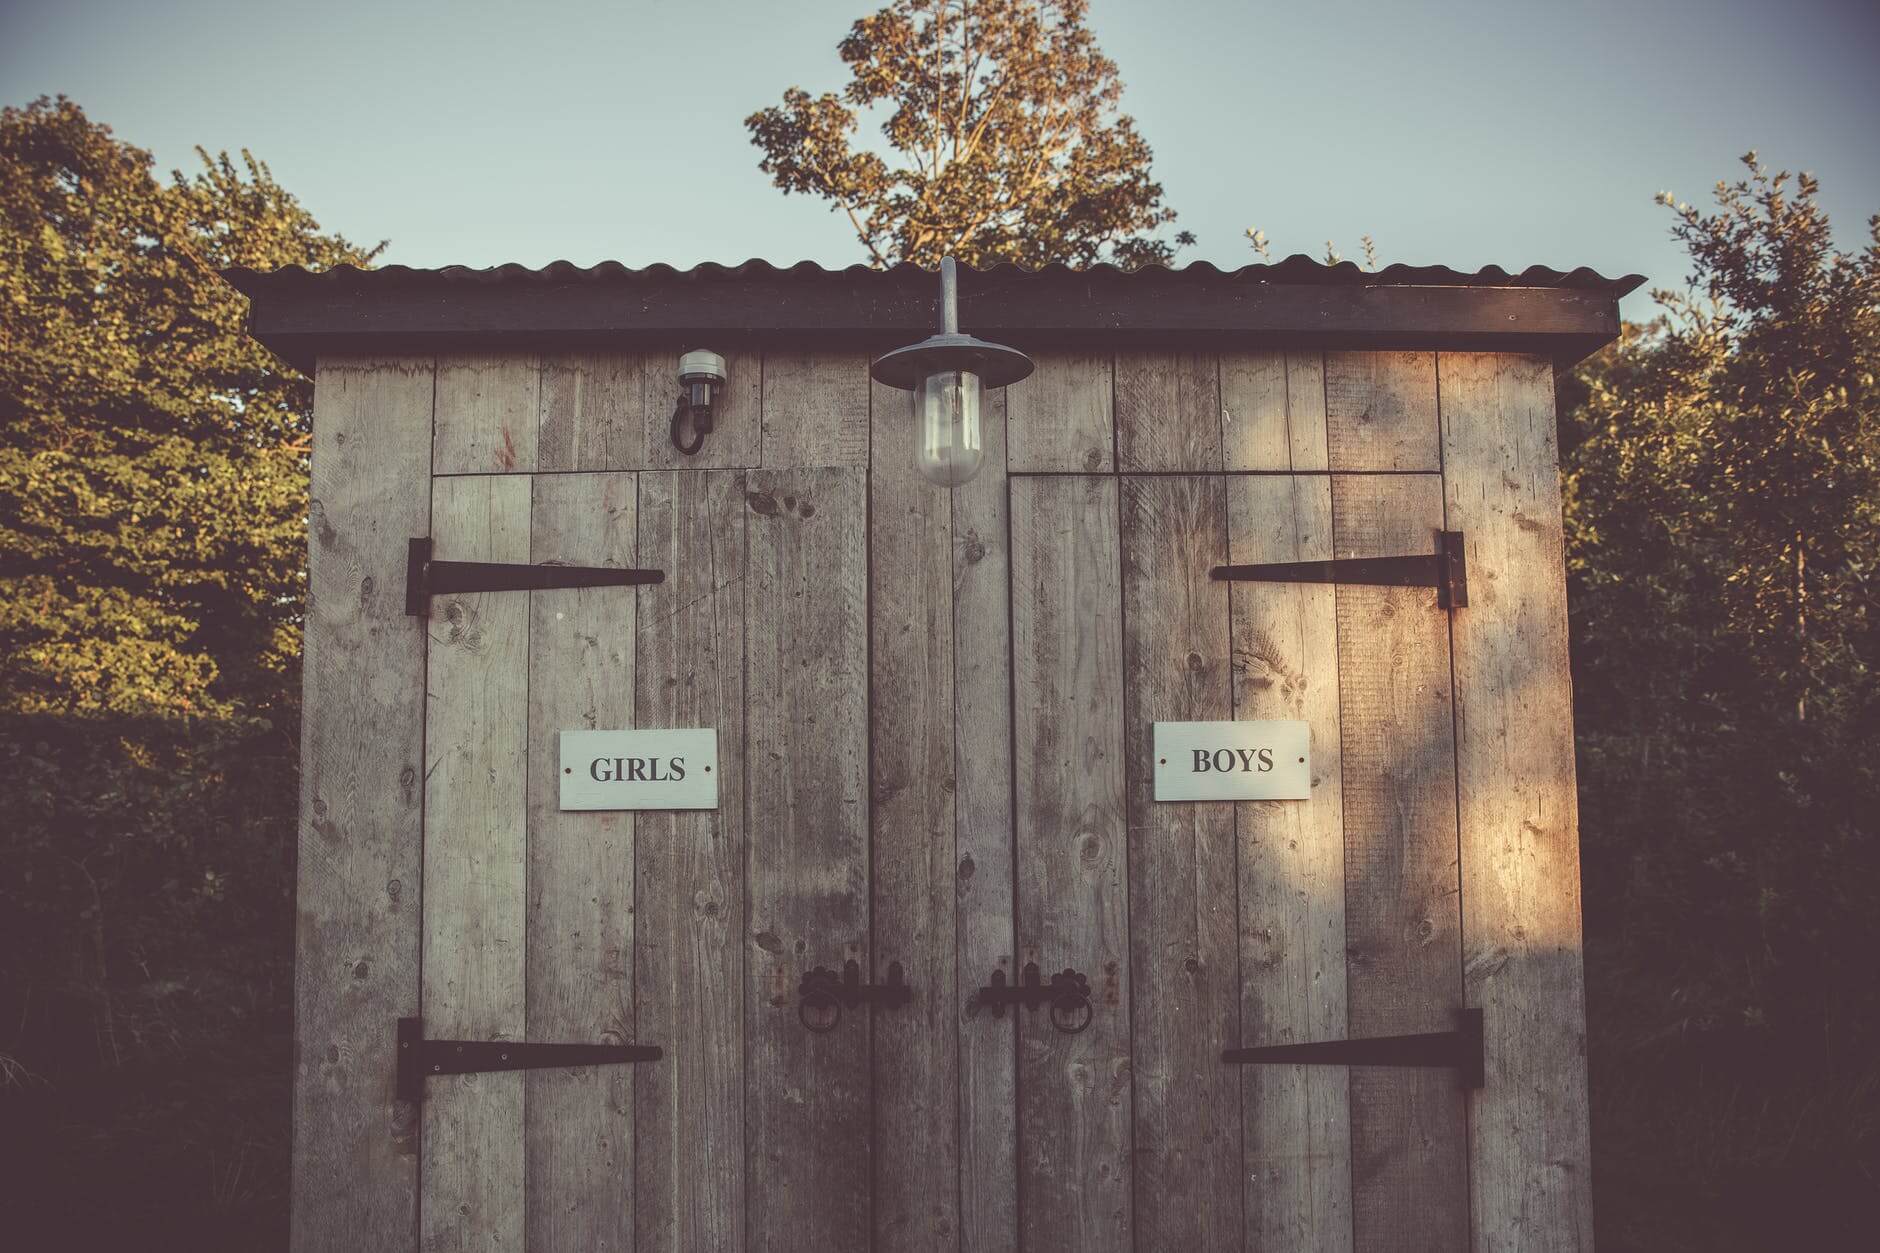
x,y
952,446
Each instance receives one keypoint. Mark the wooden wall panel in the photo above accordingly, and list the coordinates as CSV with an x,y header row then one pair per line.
x,y
689,984
593,408
1073,860
578,1123
1061,417
816,410
1168,411
1184,955
807,1094
982,842
487,411
910,662
1529,1154
1297,1119
1380,410
361,817
1273,411
737,419
475,854
1402,921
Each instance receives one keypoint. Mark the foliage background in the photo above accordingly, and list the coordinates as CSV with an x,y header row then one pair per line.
x,y
153,483
1721,486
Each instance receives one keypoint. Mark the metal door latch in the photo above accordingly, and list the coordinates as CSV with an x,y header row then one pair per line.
x,y
1445,570
823,993
1068,995
419,1058
426,577
1459,1050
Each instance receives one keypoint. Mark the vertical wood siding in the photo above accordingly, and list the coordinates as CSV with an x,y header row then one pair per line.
x,y
689,983
1297,1179
487,414
983,830
934,716
1074,1129
1519,823
806,780
578,1139
916,1047
592,410
1183,892
1402,920
355,1179
1061,417
475,859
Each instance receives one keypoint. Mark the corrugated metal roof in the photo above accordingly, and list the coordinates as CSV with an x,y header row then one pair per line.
x,y
1296,270
303,314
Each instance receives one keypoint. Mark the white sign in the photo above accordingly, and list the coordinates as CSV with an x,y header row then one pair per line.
x,y
1232,761
675,769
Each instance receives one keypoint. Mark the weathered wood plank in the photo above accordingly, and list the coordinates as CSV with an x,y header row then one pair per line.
x,y
475,855
807,1094
1380,410
689,887
912,882
1073,859
737,435
1530,1181
982,841
487,411
593,407
1061,417
1402,921
1254,413
816,410
1297,1119
361,817
1184,955
1168,411
578,1144
1273,411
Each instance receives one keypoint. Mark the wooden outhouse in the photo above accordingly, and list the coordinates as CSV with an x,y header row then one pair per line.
x,y
938,720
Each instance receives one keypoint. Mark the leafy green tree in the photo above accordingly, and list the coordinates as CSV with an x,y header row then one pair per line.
x,y
1004,135
1723,510
153,483
153,479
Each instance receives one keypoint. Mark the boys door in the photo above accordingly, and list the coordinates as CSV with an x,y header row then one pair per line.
x,y
1432,868
1205,925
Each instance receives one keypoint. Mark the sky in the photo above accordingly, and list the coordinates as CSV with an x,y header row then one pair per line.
x,y
1461,134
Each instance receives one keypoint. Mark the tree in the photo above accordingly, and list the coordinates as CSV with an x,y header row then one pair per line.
x,y
153,482
1723,523
1001,118
153,495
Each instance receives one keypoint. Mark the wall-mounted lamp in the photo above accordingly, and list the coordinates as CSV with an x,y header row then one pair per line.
x,y
948,374
701,377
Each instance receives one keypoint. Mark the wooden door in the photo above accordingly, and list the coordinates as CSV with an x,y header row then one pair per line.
x,y
1208,925
542,925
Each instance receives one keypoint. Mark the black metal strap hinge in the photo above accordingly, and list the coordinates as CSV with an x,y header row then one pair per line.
x,y
823,993
419,1058
426,577
1459,1050
1068,995
1445,570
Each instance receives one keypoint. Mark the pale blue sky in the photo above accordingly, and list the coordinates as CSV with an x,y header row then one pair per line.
x,y
1457,133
